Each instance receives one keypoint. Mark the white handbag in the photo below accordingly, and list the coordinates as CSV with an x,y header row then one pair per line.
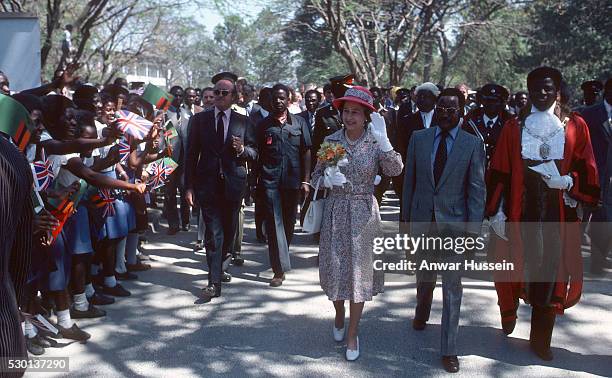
x,y
314,214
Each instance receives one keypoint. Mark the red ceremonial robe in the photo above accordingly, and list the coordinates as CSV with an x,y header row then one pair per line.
x,y
505,180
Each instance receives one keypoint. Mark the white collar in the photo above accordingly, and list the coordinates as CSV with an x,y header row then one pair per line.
x,y
486,119
227,112
550,110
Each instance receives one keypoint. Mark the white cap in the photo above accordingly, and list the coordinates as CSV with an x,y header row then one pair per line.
x,y
429,86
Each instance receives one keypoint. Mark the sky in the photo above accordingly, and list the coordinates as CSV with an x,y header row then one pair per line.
x,y
210,17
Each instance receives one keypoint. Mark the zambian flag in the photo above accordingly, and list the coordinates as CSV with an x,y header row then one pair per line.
x,y
15,121
157,97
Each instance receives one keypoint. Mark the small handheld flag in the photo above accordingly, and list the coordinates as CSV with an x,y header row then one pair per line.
x,y
159,171
133,124
157,97
124,150
43,172
104,199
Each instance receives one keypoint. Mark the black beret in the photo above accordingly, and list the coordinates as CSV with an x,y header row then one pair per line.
x,y
593,85
29,101
115,91
83,97
54,107
545,72
224,76
494,91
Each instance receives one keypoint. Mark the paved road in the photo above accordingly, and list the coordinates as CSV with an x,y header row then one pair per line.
x,y
256,330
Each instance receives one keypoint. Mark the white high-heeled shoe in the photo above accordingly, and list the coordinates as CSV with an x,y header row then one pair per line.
x,y
338,333
352,355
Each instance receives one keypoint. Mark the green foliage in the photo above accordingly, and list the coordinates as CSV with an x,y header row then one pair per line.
x,y
573,36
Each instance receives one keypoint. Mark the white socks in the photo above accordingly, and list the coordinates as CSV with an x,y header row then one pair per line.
x,y
29,330
120,256
63,319
131,247
89,290
110,281
80,302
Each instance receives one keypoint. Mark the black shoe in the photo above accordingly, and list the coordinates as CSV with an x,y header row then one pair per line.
x,y
238,260
39,339
418,325
226,277
544,353
508,326
199,245
127,276
91,312
172,231
101,300
211,291
33,347
73,333
117,291
450,363
277,280
185,228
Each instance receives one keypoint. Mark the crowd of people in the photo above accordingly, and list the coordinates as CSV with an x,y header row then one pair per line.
x,y
451,155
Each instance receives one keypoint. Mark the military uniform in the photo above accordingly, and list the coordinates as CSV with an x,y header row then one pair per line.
x,y
487,129
281,173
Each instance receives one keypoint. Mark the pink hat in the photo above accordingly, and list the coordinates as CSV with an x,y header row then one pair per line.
x,y
356,94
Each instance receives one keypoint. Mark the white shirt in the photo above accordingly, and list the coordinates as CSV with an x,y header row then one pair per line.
x,y
226,120
103,151
427,117
543,124
487,119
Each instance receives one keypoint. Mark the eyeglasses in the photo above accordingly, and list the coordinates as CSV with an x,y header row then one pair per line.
x,y
221,92
445,110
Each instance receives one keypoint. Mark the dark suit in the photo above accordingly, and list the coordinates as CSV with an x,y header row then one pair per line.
x,y
180,120
407,123
15,248
327,122
218,178
596,117
443,209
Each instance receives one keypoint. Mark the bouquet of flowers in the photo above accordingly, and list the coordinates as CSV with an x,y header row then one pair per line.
x,y
333,156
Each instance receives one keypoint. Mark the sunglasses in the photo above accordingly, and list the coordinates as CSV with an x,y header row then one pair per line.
x,y
221,92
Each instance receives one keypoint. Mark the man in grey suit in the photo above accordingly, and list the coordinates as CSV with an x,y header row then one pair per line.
x,y
178,115
444,195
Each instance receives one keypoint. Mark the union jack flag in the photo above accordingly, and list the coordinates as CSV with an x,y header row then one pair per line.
x,y
104,199
43,171
133,124
159,171
124,150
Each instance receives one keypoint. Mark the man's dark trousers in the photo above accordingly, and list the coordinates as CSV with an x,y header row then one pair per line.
x,y
217,218
281,212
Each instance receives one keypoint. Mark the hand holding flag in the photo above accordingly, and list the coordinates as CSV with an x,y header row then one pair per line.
x,y
159,171
133,124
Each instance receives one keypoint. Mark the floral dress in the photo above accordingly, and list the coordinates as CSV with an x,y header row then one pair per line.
x,y
351,221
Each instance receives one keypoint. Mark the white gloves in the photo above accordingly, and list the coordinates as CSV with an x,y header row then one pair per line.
x,y
379,131
377,180
332,176
498,224
559,182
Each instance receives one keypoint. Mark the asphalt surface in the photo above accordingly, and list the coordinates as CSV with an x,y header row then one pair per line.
x,y
163,329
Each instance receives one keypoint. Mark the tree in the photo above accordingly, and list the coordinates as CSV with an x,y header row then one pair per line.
x,y
571,35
